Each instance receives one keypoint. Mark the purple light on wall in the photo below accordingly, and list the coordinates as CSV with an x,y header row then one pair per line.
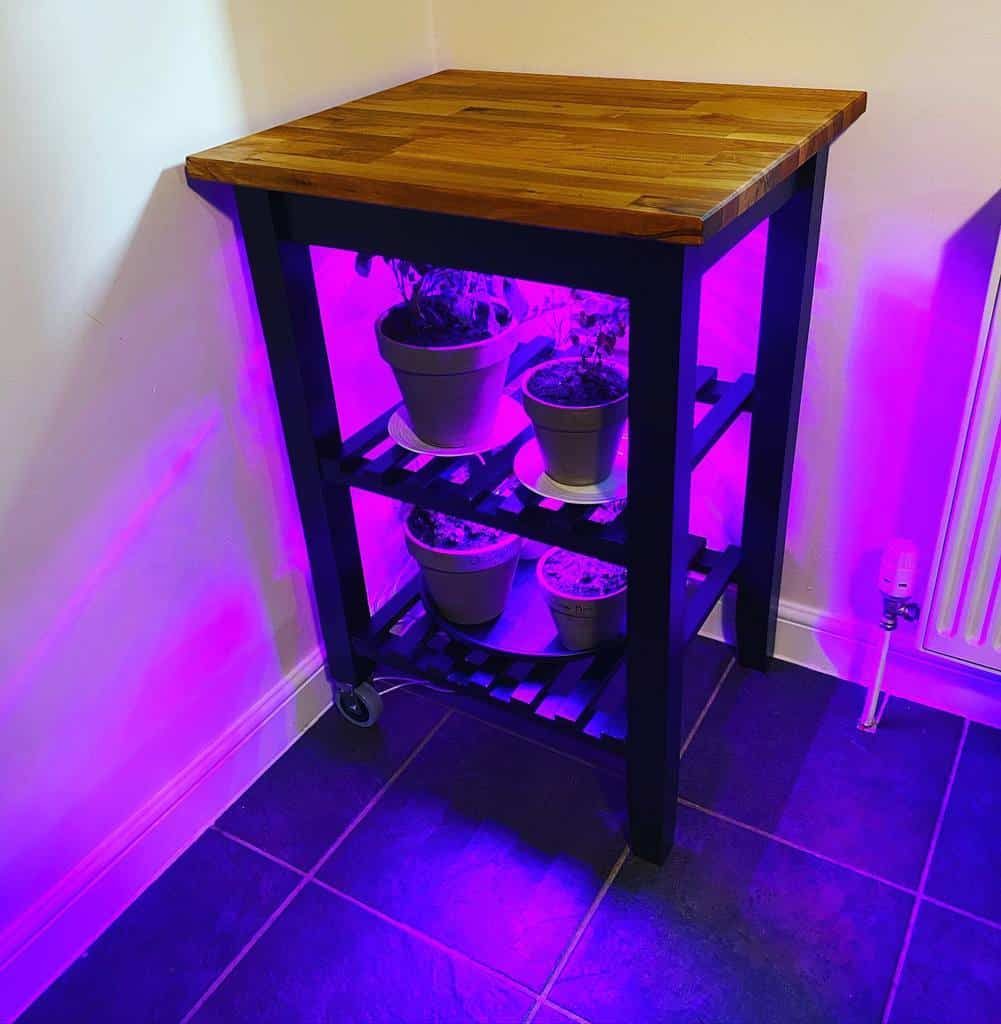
x,y
364,385
729,317
179,457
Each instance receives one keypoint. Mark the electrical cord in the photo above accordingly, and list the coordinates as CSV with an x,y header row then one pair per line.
x,y
404,681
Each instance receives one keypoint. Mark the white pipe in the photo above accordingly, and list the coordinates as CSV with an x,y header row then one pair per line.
x,y
869,721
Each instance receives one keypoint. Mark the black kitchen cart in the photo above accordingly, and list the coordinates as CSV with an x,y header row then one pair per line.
x,y
626,187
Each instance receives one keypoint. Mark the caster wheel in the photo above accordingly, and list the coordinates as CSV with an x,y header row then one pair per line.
x,y
361,706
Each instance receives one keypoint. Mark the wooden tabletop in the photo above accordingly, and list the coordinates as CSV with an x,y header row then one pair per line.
x,y
675,161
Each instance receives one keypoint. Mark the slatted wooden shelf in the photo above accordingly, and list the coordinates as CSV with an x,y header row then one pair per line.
x,y
584,695
485,489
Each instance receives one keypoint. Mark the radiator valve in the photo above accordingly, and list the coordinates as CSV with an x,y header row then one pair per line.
x,y
896,583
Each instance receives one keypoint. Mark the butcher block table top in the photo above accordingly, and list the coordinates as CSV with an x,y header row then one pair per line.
x,y
674,161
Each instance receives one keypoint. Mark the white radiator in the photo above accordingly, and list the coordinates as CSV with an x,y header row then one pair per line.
x,y
963,619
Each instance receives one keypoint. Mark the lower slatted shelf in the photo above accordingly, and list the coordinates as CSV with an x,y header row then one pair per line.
x,y
562,692
582,694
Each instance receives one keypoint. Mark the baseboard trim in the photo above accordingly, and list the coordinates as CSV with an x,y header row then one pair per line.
x,y
37,947
849,649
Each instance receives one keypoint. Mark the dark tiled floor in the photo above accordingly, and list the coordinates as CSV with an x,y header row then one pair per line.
x,y
481,883
780,752
490,844
951,973
325,959
967,862
736,927
300,806
551,1015
705,664
171,944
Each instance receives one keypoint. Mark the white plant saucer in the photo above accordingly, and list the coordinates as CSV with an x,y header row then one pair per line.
x,y
510,421
530,470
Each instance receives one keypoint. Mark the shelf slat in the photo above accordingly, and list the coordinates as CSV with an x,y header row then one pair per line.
x,y
702,598
729,402
484,490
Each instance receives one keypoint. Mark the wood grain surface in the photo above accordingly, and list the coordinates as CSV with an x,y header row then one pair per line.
x,y
674,161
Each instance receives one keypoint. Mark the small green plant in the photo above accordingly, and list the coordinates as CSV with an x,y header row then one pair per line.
x,y
460,305
599,321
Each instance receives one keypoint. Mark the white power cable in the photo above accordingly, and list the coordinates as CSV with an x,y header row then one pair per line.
x,y
404,681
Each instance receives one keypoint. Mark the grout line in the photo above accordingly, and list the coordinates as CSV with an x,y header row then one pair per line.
x,y
310,875
257,849
709,703
562,1009
577,935
925,871
383,916
231,966
424,937
996,925
795,846
356,820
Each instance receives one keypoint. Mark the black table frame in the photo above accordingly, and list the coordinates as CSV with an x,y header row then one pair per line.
x,y
662,283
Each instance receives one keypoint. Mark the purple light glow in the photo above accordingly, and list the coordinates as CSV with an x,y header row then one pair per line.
x,y
178,464
877,423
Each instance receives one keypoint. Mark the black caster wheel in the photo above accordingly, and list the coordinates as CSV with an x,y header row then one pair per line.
x,y
361,706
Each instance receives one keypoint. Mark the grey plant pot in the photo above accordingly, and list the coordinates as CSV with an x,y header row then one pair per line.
x,y
451,394
470,586
578,442
584,623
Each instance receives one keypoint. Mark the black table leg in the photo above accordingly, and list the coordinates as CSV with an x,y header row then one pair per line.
x,y
664,303
290,317
790,264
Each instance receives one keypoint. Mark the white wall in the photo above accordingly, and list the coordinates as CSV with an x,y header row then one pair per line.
x,y
152,578
152,589
910,222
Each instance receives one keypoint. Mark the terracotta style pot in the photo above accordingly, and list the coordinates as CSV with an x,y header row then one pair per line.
x,y
583,623
451,393
578,442
469,586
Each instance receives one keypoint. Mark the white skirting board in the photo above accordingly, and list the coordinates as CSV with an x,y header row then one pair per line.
x,y
53,932
849,649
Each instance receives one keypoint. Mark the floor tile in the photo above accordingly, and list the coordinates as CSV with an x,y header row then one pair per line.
x,y
550,1015
736,928
782,752
952,974
705,662
157,959
492,845
305,800
966,870
326,960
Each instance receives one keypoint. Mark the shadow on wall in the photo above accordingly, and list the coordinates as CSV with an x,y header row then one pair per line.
x,y
152,540
274,57
917,363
